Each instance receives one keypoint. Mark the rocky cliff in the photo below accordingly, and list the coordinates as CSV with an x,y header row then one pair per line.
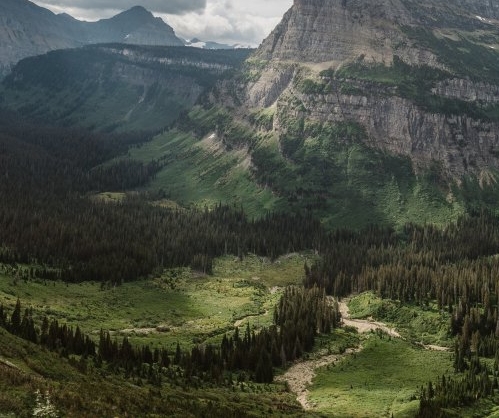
x,y
422,78
336,30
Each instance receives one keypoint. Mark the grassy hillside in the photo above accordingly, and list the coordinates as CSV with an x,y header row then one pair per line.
x,y
33,380
380,380
200,170
322,168
385,377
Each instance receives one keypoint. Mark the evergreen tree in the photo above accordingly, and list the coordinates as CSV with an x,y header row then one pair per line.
x,y
15,319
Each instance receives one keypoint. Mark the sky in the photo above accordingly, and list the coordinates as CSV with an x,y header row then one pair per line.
x,y
245,22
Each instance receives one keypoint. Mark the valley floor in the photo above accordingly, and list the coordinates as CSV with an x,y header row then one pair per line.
x,y
306,378
374,365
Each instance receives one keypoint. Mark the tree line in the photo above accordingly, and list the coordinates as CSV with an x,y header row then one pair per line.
x,y
298,318
50,334
48,221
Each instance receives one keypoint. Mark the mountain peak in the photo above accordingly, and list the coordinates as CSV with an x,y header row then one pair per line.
x,y
137,15
138,26
336,31
137,11
27,29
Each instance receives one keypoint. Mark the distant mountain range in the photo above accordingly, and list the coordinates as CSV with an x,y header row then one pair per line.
x,y
197,43
27,30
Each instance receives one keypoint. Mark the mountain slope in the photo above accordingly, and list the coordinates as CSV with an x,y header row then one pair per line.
x,y
384,111
420,78
400,68
27,29
115,87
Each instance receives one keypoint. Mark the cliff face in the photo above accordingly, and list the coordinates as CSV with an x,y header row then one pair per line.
x,y
337,30
459,143
422,78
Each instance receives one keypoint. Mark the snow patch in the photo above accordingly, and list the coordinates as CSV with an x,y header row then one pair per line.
x,y
198,45
482,19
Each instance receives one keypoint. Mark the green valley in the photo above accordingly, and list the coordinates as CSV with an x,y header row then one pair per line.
x,y
308,229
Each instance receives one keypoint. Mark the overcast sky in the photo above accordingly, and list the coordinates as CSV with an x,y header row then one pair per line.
x,y
228,21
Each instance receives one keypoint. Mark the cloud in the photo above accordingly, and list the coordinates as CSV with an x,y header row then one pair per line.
x,y
245,22
231,21
174,7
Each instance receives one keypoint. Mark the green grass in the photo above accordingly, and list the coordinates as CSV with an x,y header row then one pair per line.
x,y
421,324
185,305
203,173
382,379
193,308
97,392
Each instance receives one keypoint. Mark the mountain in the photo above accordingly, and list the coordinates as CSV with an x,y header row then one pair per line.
x,y
114,86
135,26
197,43
383,111
420,77
27,29
361,112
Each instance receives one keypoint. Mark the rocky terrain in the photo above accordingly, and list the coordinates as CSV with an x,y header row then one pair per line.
x,y
420,77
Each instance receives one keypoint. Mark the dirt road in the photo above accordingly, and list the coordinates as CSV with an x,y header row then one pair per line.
x,y
364,325
300,375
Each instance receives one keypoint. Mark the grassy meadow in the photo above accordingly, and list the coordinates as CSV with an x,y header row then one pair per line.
x,y
420,324
385,375
380,379
180,305
32,378
383,378
192,176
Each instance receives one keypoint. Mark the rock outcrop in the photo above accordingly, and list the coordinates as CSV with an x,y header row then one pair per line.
x,y
335,31
441,104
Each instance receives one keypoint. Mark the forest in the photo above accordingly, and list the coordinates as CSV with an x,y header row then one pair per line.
x,y
51,221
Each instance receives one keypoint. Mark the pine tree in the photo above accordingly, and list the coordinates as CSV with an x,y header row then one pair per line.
x,y
264,372
3,317
15,319
178,355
